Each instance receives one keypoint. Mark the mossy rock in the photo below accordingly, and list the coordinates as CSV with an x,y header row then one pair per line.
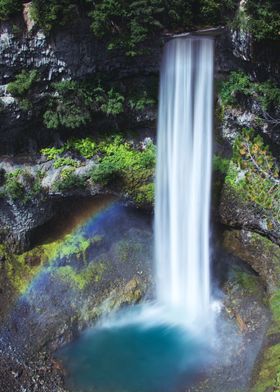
x,y
268,378
259,252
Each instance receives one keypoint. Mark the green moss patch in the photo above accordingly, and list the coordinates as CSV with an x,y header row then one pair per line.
x,y
269,373
79,280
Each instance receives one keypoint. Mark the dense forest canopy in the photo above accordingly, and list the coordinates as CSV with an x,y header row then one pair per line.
x,y
127,24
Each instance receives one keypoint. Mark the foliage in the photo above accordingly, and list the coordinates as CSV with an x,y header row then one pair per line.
x,y
67,161
70,107
74,103
69,180
85,147
49,14
21,185
52,152
254,172
118,163
239,85
129,24
134,169
13,187
141,102
9,7
23,83
269,95
263,18
81,279
220,164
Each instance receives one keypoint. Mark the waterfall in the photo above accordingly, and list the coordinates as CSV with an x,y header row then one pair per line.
x,y
183,177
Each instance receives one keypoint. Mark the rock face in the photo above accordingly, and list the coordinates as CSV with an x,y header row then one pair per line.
x,y
259,252
103,265
237,213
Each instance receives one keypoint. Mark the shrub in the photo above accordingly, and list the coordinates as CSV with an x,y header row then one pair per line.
x,y
67,161
220,164
49,14
13,186
133,169
254,173
9,7
239,84
263,18
69,180
85,147
75,102
21,185
23,83
52,152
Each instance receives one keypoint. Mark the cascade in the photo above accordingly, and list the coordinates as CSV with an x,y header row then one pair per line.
x,y
183,177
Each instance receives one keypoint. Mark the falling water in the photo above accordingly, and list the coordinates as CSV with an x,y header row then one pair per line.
x,y
184,176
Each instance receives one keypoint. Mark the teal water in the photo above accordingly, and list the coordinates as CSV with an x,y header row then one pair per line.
x,y
133,357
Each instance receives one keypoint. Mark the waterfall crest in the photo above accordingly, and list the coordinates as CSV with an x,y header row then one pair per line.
x,y
183,177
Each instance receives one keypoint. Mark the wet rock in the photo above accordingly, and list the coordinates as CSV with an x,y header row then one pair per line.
x,y
259,252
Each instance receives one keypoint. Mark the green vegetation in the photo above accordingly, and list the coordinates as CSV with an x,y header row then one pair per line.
x,y
21,185
69,180
239,85
85,147
52,152
60,162
23,83
22,86
70,107
74,104
9,8
128,24
220,164
263,18
118,163
82,278
254,173
246,281
269,371
72,244
131,168
13,187
49,14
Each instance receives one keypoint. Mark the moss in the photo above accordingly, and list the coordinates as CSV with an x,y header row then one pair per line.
x,y
79,280
127,250
270,369
20,269
259,252
246,281
274,303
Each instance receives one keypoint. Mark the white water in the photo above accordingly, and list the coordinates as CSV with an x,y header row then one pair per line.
x,y
183,178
